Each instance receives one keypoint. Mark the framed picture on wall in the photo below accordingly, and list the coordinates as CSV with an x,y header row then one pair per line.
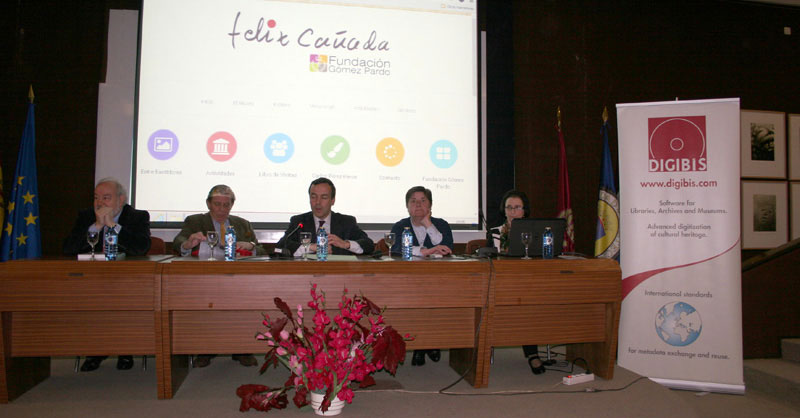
x,y
763,137
765,217
794,147
795,206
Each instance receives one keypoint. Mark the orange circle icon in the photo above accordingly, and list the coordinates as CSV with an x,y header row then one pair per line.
x,y
390,151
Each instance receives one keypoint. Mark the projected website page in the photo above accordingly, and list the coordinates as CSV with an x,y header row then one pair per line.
x,y
266,96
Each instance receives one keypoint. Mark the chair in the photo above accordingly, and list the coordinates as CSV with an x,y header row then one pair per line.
x,y
157,246
473,245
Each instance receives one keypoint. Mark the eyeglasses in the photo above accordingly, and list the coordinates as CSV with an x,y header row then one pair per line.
x,y
513,208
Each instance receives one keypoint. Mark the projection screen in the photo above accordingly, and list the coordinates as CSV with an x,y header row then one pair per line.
x,y
265,96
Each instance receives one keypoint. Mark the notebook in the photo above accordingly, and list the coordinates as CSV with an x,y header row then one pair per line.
x,y
536,227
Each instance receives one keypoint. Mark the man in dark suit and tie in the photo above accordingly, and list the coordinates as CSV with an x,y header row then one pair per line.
x,y
344,235
110,210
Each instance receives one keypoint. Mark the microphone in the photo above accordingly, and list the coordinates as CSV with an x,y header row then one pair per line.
x,y
284,251
488,250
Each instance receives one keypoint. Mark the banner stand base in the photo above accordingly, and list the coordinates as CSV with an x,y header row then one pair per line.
x,y
700,386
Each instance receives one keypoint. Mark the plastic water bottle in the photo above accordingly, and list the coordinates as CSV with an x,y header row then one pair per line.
x,y
111,238
230,244
322,244
547,243
407,244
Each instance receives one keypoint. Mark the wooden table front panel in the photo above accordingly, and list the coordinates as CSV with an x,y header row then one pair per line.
x,y
253,286
69,285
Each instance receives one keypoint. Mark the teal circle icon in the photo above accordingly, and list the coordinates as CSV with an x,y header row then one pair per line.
x,y
335,149
443,153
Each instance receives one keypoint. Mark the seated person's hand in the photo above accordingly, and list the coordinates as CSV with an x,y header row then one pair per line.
x,y
249,246
194,240
335,241
439,249
103,217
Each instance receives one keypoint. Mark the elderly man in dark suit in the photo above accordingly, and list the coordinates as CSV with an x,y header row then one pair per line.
x,y
110,210
344,235
219,201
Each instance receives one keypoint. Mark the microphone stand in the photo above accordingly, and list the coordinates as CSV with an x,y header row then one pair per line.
x,y
285,248
488,250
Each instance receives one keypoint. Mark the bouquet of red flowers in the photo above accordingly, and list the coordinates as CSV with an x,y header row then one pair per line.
x,y
327,357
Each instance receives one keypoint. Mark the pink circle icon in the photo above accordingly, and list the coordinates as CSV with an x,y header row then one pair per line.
x,y
221,146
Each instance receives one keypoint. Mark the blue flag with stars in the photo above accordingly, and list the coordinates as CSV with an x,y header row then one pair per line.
x,y
21,235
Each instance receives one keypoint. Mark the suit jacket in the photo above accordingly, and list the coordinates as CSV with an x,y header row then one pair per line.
x,y
343,226
441,225
202,222
134,237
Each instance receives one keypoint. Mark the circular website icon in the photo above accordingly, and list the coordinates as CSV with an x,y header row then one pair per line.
x,y
443,153
390,151
279,148
163,144
335,149
221,146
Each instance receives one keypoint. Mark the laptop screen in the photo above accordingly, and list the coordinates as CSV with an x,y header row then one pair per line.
x,y
536,227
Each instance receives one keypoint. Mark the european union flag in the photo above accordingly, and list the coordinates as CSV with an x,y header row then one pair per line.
x,y
606,244
21,235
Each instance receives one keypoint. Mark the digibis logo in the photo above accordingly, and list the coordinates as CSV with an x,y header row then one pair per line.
x,y
677,143
318,63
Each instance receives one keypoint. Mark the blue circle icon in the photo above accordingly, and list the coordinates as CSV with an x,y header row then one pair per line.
x,y
279,148
163,144
443,153
678,324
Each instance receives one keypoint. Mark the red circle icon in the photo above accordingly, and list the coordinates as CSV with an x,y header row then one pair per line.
x,y
221,146
679,137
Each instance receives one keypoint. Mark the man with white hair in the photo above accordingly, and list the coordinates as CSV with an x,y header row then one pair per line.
x,y
110,211
219,201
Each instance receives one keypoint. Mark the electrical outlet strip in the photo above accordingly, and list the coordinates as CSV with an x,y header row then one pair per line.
x,y
574,379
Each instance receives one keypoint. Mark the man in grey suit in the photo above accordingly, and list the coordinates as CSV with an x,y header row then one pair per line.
x,y
344,235
219,202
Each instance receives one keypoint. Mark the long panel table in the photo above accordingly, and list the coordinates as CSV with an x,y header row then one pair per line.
x,y
176,308
217,307
72,308
558,301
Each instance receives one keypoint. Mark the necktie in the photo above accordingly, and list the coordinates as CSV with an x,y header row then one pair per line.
x,y
221,234
321,222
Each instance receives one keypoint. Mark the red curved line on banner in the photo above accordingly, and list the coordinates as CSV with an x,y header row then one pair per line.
x,y
629,283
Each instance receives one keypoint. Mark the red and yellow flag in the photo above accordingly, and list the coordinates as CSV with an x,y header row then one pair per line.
x,y
564,204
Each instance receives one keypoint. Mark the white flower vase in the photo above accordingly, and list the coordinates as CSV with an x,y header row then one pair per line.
x,y
334,409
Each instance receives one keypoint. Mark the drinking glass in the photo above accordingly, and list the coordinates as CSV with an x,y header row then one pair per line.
x,y
389,238
305,239
92,237
212,238
526,240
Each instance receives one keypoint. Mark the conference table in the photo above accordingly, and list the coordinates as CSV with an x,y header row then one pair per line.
x,y
172,308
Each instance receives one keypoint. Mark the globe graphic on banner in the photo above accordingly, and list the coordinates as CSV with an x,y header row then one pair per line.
x,y
678,324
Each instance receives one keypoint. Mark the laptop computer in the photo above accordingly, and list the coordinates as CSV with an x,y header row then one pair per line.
x,y
536,227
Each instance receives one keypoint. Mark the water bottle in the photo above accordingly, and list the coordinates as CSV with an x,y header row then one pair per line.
x,y
407,244
547,243
230,244
111,238
322,244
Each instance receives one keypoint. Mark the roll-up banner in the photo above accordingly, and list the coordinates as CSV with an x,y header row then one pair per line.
x,y
681,319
